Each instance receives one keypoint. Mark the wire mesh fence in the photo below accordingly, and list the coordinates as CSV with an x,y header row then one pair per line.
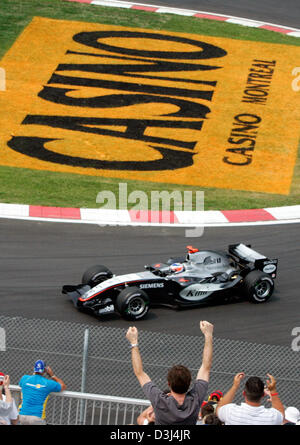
x,y
107,363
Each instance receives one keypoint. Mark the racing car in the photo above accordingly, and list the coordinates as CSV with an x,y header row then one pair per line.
x,y
199,277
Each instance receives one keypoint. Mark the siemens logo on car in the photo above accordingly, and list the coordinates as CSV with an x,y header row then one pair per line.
x,y
151,285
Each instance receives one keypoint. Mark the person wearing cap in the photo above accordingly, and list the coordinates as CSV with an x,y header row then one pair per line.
x,y
215,396
9,415
291,416
35,392
6,405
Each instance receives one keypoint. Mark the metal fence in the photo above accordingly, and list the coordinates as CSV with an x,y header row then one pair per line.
x,y
74,408
106,367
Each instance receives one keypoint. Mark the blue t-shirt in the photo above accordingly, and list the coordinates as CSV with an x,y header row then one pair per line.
x,y
35,392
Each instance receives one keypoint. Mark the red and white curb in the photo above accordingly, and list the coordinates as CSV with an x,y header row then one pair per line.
x,y
294,32
208,218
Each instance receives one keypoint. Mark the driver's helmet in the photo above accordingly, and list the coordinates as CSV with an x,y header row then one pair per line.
x,y
177,268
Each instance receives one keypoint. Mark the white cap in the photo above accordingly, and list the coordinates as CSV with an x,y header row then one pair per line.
x,y
292,414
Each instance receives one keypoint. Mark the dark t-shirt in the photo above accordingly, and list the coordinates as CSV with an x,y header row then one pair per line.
x,y
169,412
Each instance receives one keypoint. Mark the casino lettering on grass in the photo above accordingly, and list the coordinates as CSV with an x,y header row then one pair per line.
x,y
141,64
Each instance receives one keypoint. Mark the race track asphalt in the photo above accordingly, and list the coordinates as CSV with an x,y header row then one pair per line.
x,y
285,13
37,258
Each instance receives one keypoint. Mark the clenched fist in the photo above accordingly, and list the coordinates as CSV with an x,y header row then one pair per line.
x,y
132,335
206,328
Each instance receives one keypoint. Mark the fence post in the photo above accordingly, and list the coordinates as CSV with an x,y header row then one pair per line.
x,y
84,370
2,340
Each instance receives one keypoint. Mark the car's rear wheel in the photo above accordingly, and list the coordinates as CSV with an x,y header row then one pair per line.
x,y
258,286
132,303
95,275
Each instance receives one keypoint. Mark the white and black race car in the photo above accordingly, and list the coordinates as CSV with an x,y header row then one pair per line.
x,y
199,277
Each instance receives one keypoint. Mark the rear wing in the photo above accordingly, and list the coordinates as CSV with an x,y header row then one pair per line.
x,y
247,255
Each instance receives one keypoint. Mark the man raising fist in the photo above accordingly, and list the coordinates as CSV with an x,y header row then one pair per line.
x,y
181,405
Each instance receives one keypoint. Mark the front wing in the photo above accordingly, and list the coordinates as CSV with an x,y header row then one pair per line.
x,y
75,292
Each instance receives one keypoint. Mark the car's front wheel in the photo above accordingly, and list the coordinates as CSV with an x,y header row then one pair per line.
x,y
132,303
258,286
95,275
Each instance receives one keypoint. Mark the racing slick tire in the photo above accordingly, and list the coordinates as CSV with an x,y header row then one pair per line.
x,y
95,275
258,286
132,303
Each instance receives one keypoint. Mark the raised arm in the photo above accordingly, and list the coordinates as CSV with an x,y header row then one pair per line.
x,y
6,383
207,330
229,396
7,405
137,364
55,378
275,400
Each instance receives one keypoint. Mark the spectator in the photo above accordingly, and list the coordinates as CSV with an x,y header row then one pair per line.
x,y
181,406
291,416
35,391
212,419
206,409
5,405
251,412
215,396
147,417
12,416
213,399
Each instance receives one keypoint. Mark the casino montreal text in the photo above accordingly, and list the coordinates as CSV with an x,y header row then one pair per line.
x,y
246,125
